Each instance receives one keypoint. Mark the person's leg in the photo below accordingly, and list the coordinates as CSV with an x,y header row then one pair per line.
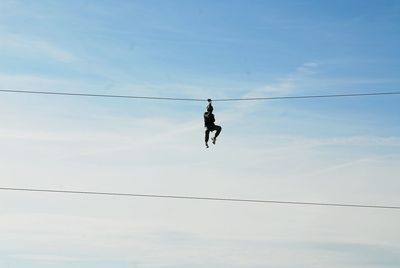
x,y
207,136
218,129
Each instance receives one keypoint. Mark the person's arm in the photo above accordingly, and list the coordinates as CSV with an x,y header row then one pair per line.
x,y
210,105
212,118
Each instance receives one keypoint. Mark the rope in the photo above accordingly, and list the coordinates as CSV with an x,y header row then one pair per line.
x,y
198,99
200,198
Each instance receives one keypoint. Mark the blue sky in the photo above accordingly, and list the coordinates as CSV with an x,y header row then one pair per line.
x,y
329,150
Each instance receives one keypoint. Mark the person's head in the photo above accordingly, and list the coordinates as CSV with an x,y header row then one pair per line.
x,y
209,108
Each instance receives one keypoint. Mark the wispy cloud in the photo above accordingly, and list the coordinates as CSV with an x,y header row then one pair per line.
x,y
31,82
87,240
28,46
286,84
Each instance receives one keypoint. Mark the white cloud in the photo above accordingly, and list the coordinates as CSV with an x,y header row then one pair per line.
x,y
24,46
156,154
159,240
36,82
287,84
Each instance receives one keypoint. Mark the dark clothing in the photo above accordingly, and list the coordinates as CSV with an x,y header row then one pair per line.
x,y
209,120
208,130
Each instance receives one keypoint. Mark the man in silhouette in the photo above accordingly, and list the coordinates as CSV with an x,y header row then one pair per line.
x,y
209,120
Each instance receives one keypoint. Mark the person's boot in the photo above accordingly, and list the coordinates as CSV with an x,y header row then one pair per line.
x,y
206,145
213,140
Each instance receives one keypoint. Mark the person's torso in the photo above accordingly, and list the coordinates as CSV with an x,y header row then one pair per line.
x,y
209,119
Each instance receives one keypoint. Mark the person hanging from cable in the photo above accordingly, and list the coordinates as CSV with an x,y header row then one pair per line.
x,y
209,124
